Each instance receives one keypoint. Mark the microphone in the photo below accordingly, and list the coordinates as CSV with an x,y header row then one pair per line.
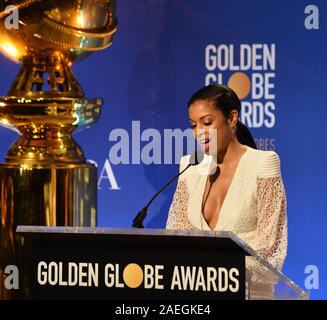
x,y
195,159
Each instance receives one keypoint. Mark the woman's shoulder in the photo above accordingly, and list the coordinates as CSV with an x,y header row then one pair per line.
x,y
263,154
267,162
184,161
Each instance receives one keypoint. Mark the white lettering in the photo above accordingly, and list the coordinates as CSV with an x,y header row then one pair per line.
x,y
235,285
81,274
12,278
257,57
107,173
176,281
312,280
12,20
311,22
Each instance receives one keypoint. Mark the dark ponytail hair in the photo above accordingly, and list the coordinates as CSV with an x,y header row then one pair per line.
x,y
226,100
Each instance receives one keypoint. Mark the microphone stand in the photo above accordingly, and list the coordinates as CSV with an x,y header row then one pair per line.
x,y
138,221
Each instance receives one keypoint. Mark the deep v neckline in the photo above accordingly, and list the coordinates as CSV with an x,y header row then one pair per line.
x,y
236,172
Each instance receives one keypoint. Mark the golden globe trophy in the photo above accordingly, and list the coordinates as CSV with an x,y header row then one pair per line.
x,y
46,179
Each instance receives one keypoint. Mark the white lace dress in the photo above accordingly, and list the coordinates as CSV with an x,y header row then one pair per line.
x,y
254,207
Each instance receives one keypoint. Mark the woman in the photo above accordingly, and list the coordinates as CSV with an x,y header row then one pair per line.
x,y
236,187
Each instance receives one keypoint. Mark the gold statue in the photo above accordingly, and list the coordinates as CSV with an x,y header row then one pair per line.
x,y
46,179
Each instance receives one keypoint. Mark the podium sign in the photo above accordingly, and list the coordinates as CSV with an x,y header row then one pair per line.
x,y
138,264
101,263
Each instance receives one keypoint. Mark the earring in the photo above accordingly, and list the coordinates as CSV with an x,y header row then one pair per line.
x,y
233,129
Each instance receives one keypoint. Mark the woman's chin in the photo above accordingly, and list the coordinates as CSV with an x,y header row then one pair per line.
x,y
207,150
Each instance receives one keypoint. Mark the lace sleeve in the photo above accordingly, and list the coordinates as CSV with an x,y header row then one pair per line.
x,y
272,221
270,239
177,216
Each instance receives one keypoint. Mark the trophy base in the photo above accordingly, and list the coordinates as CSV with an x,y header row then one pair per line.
x,y
64,195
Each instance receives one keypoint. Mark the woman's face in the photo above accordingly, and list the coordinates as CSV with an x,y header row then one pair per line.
x,y
210,127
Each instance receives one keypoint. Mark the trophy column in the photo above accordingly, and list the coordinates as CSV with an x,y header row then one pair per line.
x,y
46,179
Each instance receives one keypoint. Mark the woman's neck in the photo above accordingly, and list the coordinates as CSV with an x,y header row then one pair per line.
x,y
231,154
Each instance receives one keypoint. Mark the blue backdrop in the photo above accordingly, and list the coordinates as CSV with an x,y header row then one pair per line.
x,y
163,51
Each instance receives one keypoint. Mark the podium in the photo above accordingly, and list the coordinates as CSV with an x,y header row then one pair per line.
x,y
145,264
